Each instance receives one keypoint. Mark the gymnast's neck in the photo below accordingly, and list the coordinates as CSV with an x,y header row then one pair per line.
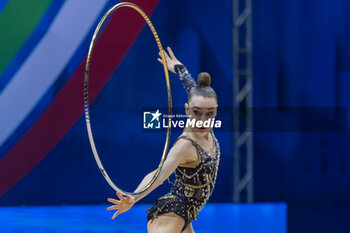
x,y
199,136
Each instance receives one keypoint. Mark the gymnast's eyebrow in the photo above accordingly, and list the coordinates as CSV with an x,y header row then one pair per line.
x,y
201,108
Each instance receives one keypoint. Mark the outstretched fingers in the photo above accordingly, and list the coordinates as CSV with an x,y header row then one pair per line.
x,y
165,55
167,58
171,53
120,196
115,214
114,201
113,207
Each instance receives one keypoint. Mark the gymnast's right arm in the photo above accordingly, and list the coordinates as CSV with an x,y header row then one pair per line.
x,y
175,157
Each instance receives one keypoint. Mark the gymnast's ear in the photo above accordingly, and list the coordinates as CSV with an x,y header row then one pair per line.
x,y
186,108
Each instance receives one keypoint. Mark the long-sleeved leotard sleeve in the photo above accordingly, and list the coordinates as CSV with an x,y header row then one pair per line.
x,y
185,77
187,82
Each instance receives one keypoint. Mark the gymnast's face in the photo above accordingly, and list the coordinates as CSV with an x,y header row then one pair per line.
x,y
202,109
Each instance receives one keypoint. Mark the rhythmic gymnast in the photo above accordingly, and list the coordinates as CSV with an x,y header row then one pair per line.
x,y
194,157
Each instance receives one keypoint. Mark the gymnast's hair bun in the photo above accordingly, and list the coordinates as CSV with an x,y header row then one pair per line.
x,y
204,79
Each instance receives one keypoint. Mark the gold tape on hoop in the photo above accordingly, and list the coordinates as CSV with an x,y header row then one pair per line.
x,y
86,98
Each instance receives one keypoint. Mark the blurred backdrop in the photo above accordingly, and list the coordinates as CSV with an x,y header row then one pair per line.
x,y
301,58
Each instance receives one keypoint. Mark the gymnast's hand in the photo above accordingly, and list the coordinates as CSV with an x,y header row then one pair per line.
x,y
123,205
170,60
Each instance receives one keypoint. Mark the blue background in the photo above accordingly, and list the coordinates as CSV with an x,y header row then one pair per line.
x,y
223,218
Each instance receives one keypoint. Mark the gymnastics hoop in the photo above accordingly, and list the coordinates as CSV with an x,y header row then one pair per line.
x,y
86,98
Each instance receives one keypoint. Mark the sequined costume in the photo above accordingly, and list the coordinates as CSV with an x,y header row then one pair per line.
x,y
185,77
193,185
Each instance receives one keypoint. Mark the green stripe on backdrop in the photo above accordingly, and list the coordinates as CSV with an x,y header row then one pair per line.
x,y
17,21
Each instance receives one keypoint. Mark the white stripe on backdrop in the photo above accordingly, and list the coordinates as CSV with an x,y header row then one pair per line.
x,y
46,62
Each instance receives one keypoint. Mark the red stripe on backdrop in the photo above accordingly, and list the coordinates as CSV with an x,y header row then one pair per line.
x,y
67,107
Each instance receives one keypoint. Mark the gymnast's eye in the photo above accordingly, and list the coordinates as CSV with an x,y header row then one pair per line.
x,y
210,113
196,112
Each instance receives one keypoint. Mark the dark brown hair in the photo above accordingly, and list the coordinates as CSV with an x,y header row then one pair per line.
x,y
203,88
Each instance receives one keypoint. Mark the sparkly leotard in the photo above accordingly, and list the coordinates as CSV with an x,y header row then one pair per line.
x,y
192,188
